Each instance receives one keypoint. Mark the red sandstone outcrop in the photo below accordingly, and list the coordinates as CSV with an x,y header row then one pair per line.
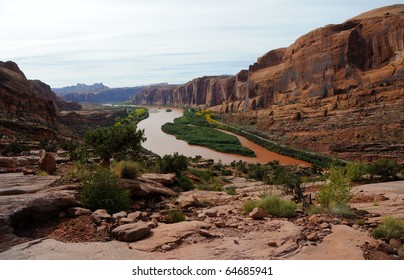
x,y
28,105
338,59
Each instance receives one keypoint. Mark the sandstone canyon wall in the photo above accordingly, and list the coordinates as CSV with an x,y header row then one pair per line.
x,y
332,60
28,106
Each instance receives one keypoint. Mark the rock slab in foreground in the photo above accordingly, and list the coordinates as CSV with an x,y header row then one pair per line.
x,y
131,232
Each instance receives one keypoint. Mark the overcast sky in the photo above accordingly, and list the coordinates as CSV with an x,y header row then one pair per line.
x,y
136,42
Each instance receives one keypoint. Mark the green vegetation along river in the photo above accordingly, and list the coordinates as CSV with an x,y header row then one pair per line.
x,y
162,143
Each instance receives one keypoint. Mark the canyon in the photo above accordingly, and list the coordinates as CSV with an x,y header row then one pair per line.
x,y
337,90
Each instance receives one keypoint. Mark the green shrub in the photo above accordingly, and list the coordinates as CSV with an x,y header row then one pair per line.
x,y
341,210
126,169
174,216
230,190
290,182
216,187
278,207
101,190
387,169
249,205
185,183
390,228
79,153
355,170
226,172
173,163
75,172
16,148
336,191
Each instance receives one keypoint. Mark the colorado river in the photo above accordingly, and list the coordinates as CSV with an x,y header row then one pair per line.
x,y
163,144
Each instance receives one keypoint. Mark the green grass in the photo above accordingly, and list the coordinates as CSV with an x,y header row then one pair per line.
x,y
249,205
207,137
277,207
174,216
390,228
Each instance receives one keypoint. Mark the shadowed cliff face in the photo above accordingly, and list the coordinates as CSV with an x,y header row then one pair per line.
x,y
28,105
333,60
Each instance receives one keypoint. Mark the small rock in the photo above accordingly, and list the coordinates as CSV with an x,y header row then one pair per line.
x,y
188,202
166,247
101,228
233,226
77,211
272,244
325,225
211,213
386,248
312,236
394,242
236,242
173,245
102,213
120,215
135,216
258,213
131,232
156,216
28,171
313,218
205,233
201,215
47,163
220,224
151,225
125,221
96,219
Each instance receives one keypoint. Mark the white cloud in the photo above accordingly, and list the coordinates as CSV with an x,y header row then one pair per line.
x,y
125,42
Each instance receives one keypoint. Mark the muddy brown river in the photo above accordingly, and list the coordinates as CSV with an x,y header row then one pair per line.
x,y
163,144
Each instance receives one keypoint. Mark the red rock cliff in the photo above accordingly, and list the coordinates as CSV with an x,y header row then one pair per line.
x,y
333,60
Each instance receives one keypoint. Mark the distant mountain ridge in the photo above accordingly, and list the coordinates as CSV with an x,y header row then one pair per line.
x,y
81,88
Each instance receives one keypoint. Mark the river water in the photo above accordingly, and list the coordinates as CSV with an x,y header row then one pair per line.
x,y
163,144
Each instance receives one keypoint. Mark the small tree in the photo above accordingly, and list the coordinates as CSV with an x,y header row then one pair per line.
x,y
101,190
115,141
387,169
173,163
291,183
337,190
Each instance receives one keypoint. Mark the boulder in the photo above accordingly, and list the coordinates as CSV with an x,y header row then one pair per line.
x,y
47,163
77,211
164,179
258,213
120,215
211,212
135,216
131,232
386,248
101,214
188,201
145,187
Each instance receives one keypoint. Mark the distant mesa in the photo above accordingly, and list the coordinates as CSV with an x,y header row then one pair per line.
x,y
81,89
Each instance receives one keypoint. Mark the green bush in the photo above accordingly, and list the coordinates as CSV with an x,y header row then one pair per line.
x,y
341,210
290,182
126,169
278,207
230,190
249,205
336,191
80,154
115,141
16,148
173,163
356,170
101,190
185,183
390,228
387,169
174,216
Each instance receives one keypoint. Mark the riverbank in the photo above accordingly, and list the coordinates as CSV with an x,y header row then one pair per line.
x,y
162,144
